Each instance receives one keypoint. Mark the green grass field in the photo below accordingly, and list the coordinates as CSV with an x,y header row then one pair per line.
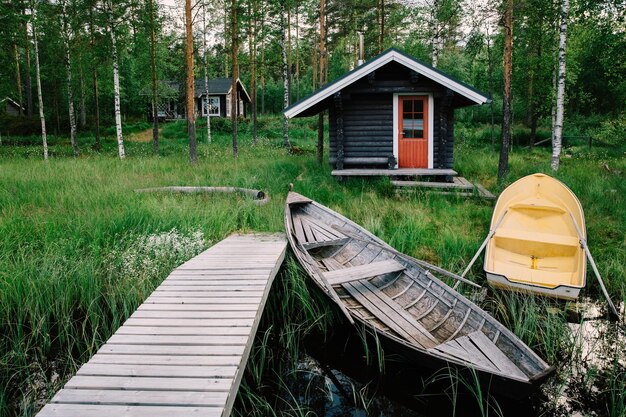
x,y
80,250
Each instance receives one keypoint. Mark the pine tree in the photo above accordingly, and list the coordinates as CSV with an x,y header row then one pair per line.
x,y
191,116
503,164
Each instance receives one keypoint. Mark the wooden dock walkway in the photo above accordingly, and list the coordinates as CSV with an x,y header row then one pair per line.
x,y
184,351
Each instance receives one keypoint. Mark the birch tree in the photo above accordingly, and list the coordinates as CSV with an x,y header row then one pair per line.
x,y
206,72
283,48
560,94
68,69
155,94
262,69
507,20
92,43
18,78
191,116
29,91
42,117
235,74
116,83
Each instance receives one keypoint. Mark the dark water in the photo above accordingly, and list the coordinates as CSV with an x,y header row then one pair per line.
x,y
335,378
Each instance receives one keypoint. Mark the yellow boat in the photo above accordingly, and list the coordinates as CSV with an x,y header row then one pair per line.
x,y
535,246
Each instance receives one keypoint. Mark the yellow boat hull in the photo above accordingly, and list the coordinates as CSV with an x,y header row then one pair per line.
x,y
536,247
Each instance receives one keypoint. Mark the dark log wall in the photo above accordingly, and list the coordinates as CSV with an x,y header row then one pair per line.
x,y
367,127
367,113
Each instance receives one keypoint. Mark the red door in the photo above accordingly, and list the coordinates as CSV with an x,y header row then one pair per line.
x,y
413,131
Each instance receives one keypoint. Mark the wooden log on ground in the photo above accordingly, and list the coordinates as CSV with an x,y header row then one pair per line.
x,y
259,197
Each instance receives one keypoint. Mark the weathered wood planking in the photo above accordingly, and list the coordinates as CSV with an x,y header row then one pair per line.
x,y
184,351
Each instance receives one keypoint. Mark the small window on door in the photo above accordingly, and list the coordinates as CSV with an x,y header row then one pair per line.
x,y
413,118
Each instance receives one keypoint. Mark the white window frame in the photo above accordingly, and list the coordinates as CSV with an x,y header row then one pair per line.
x,y
228,100
205,107
431,128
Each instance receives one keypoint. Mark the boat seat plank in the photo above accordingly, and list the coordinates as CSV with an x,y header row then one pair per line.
x,y
371,270
389,312
534,236
322,243
495,355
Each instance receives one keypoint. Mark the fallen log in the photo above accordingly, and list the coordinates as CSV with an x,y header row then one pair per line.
x,y
259,197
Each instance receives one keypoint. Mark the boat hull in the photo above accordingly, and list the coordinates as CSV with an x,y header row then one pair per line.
x,y
413,313
534,243
561,292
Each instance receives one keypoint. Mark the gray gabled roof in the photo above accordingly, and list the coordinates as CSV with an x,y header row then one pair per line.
x,y
218,86
13,102
390,55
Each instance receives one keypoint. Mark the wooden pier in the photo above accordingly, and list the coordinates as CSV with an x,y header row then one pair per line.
x,y
184,351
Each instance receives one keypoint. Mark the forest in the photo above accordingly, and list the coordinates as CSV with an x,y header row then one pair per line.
x,y
101,98
81,45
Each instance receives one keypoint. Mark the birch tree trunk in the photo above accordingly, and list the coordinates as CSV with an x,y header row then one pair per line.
x,y
18,77
234,103
560,94
297,52
29,90
116,84
320,118
42,117
191,115
206,72
68,70
262,56
289,88
283,48
92,42
155,93
503,164
435,34
253,53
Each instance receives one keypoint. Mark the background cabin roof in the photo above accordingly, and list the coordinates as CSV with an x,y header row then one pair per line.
x,y
12,102
390,55
217,86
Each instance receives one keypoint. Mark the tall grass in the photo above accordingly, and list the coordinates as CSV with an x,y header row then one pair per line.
x,y
70,230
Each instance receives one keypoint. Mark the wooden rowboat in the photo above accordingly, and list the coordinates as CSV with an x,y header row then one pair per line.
x,y
535,245
413,313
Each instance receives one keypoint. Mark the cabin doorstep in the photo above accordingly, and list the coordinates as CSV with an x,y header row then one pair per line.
x,y
392,114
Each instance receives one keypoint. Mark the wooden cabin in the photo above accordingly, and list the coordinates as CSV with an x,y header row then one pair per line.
x,y
11,107
172,99
219,97
392,115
